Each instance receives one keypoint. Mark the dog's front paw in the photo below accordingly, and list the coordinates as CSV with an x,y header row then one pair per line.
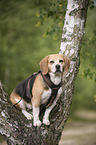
x,y
46,121
27,115
37,123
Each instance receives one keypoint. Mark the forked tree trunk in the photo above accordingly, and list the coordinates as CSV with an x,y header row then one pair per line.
x,y
14,127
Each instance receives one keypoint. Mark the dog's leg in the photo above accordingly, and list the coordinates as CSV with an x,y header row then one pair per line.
x,y
15,98
27,115
22,105
37,122
48,110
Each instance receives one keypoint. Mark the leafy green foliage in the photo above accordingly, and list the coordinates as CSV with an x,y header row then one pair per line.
x,y
91,4
88,51
20,42
55,10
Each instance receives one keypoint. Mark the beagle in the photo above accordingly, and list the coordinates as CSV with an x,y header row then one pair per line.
x,y
42,88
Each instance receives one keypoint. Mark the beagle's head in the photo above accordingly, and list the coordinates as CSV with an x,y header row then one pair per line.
x,y
55,63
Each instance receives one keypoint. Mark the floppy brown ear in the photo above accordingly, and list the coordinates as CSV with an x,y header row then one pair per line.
x,y
67,63
44,65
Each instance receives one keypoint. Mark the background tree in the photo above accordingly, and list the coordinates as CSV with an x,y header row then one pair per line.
x,y
14,127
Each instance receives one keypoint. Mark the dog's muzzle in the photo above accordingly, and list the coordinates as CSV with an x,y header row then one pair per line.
x,y
58,68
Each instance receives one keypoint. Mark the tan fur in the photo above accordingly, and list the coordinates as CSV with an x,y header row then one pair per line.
x,y
44,65
67,63
37,91
58,56
39,86
12,98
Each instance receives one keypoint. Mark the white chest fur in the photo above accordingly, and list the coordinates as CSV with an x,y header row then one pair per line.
x,y
45,95
55,79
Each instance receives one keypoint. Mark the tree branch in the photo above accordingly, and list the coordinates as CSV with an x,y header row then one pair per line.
x,y
15,128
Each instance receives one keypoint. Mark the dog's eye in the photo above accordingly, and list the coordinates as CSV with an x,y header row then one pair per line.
x,y
51,61
61,60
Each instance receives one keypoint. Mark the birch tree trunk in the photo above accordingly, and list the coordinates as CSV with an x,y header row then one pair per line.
x,y
14,127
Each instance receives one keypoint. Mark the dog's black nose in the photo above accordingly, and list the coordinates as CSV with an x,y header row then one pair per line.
x,y
57,66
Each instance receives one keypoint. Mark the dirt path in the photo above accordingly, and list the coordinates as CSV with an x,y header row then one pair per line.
x,y
80,132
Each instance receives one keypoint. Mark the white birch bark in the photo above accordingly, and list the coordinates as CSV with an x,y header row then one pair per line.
x,y
13,126
73,32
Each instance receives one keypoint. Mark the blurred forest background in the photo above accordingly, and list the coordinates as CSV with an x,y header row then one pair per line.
x,y
30,30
